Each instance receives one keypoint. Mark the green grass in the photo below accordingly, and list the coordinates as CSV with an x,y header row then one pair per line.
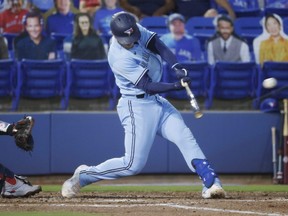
x,y
125,188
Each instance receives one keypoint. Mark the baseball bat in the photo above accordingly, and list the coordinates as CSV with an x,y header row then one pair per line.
x,y
273,133
193,101
285,143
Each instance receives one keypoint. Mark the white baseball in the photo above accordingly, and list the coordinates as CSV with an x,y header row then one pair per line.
x,y
269,83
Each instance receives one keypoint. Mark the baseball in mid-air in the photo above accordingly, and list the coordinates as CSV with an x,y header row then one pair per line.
x,y
269,83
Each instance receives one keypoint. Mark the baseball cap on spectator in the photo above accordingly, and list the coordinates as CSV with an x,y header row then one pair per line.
x,y
176,16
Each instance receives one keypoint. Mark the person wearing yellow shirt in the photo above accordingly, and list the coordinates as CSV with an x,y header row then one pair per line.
x,y
275,48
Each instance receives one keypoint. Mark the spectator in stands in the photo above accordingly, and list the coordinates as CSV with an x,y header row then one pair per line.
x,y
89,6
62,20
11,19
6,4
3,48
148,7
185,47
275,46
192,8
86,44
35,46
60,7
225,45
103,16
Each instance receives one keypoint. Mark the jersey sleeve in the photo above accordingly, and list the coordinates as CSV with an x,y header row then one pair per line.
x,y
146,35
130,69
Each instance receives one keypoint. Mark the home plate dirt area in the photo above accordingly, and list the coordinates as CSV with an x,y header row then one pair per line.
x,y
152,203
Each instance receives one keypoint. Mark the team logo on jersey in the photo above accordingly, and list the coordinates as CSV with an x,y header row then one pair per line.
x,y
129,31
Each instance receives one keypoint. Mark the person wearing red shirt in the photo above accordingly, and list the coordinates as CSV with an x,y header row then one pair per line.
x,y
11,19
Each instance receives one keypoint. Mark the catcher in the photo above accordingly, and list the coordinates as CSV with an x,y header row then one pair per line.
x,y
12,185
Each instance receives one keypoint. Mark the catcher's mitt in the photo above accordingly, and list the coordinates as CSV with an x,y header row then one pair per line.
x,y
22,133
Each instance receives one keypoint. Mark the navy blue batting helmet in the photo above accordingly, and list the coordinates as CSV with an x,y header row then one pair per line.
x,y
269,105
124,28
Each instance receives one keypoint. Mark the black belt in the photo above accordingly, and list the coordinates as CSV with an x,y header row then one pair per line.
x,y
140,96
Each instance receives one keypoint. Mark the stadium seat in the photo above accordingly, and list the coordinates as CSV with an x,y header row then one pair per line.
x,y
282,12
248,28
278,70
231,80
90,79
199,73
59,38
156,24
41,79
8,74
202,28
10,37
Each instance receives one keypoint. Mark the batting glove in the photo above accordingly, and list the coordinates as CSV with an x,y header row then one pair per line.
x,y
178,85
179,70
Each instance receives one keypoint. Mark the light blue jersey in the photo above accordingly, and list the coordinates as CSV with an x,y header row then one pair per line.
x,y
129,66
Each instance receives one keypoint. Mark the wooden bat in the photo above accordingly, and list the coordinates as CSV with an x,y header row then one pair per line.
x,y
193,101
273,133
285,143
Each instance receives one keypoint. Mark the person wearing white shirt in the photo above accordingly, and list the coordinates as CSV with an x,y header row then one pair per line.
x,y
225,45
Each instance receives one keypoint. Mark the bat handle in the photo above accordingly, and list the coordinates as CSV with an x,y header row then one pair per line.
x,y
193,102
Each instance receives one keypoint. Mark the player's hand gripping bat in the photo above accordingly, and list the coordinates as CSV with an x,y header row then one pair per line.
x,y
193,101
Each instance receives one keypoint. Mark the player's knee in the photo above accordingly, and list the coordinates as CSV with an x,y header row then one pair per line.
x,y
136,168
184,136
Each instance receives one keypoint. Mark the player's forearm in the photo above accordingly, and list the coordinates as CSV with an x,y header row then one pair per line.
x,y
157,46
156,87
6,128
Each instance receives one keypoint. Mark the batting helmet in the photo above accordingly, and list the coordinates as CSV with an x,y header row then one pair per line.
x,y
124,28
269,105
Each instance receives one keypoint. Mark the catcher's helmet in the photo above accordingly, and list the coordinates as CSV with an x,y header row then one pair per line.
x,y
124,28
269,105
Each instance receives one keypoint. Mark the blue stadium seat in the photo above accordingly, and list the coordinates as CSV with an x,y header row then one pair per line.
x,y
59,38
199,73
268,9
41,79
156,24
8,75
90,79
10,38
277,70
248,28
231,80
202,28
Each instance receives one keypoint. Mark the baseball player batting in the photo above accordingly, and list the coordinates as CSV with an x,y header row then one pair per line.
x,y
135,57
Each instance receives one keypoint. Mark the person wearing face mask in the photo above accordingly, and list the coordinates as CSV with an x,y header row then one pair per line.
x,y
226,45
275,47
35,45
